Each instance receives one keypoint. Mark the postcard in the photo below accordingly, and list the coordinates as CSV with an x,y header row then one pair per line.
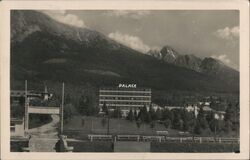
x,y
124,80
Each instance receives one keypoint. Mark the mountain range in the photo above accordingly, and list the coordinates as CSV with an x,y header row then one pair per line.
x,y
208,65
43,49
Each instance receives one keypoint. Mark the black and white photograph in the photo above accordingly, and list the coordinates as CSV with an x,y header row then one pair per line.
x,y
125,81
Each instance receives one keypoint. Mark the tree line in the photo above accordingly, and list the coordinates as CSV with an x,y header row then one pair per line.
x,y
183,120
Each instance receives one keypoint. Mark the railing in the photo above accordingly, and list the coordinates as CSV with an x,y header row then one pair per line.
x,y
163,139
43,110
161,132
153,138
127,138
99,137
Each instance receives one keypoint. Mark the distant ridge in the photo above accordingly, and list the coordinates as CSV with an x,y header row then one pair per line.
x,y
208,65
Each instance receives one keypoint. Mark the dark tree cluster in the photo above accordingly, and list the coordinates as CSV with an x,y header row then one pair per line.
x,y
232,117
86,102
208,122
176,118
183,120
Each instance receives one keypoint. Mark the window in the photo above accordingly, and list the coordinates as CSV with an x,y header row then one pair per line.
x,y
12,127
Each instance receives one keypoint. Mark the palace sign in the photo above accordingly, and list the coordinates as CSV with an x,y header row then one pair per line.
x,y
127,85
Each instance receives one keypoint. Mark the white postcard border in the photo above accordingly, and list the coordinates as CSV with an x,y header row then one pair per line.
x,y
5,8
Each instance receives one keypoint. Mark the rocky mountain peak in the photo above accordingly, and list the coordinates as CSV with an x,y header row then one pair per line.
x,y
169,54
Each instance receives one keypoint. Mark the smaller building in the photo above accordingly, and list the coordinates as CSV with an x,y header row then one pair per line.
x,y
220,115
16,127
155,107
173,107
207,109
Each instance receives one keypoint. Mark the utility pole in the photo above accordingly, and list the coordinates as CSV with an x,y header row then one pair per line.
x,y
26,114
108,125
108,121
61,111
92,125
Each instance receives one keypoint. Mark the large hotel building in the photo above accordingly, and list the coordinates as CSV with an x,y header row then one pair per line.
x,y
125,96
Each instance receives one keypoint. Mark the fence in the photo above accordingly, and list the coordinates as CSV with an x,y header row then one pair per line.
x,y
163,139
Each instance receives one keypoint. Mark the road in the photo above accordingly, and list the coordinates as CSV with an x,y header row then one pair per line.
x,y
44,138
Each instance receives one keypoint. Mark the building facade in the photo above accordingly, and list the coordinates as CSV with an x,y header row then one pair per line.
x,y
16,127
125,96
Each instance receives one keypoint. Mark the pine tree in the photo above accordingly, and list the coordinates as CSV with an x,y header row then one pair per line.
x,y
197,128
152,114
105,108
214,126
158,114
229,113
135,115
143,114
130,116
185,125
201,118
232,117
117,112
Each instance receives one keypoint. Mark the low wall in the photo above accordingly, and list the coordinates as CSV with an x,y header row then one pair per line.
x,y
16,146
194,147
86,146
125,146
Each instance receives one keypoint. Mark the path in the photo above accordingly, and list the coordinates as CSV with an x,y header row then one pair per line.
x,y
44,138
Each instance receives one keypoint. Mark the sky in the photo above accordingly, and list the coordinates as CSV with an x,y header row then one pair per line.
x,y
204,33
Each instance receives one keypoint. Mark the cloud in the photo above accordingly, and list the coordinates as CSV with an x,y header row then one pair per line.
x,y
133,42
127,14
64,17
222,57
228,33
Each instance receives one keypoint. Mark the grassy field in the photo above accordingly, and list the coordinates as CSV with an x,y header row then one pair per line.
x,y
93,125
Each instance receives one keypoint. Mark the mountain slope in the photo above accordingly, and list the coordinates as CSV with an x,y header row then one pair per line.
x,y
216,68
45,50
